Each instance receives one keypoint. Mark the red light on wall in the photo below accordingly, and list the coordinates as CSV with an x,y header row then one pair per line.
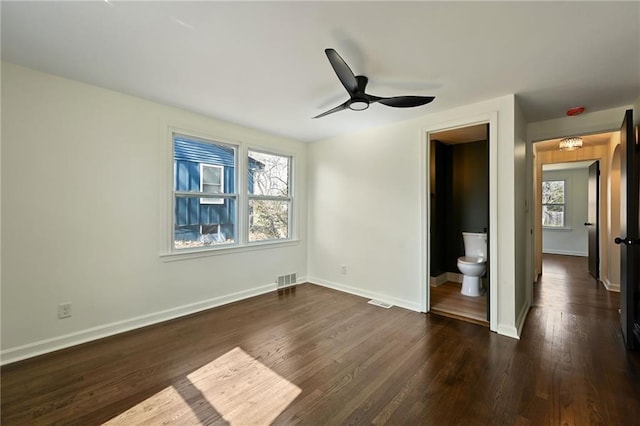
x,y
575,111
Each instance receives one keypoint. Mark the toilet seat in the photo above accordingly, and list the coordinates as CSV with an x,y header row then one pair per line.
x,y
471,260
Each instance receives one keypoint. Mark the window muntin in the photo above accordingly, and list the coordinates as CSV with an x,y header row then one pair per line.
x,y
203,193
269,200
211,181
553,204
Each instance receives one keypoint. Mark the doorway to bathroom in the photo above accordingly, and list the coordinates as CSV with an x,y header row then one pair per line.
x,y
458,183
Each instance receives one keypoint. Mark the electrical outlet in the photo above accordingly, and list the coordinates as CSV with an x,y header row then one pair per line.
x,y
343,269
64,310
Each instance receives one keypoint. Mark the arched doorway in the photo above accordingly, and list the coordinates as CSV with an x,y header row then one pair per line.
x,y
613,281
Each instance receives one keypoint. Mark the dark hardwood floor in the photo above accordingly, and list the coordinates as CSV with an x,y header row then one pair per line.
x,y
315,356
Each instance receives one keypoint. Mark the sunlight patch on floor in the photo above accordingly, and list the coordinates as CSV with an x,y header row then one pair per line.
x,y
243,390
234,387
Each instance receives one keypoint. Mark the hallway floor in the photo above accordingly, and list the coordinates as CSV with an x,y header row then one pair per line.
x,y
566,285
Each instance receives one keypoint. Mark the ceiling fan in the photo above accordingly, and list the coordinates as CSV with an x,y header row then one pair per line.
x,y
356,85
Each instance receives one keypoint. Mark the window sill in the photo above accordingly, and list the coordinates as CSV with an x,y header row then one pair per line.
x,y
218,251
556,228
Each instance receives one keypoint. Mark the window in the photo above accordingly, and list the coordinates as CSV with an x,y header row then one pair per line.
x,y
205,208
269,197
211,181
553,204
208,210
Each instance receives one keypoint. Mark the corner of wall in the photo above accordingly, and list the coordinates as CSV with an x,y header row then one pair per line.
x,y
516,331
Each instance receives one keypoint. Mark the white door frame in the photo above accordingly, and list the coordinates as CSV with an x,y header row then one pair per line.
x,y
491,119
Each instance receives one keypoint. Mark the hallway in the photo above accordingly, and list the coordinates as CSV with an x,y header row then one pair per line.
x,y
566,285
582,369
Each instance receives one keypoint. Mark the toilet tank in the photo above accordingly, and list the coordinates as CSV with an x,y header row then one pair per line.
x,y
475,244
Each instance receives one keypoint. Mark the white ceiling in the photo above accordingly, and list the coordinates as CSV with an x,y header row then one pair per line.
x,y
262,64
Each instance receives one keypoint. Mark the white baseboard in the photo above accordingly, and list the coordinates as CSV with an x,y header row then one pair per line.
x,y
611,286
515,331
367,294
522,318
508,331
10,355
566,252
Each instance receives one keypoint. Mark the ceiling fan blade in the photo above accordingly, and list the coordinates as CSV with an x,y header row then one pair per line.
x,y
406,101
332,110
344,73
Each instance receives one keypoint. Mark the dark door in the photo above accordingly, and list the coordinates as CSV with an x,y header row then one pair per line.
x,y
629,236
592,222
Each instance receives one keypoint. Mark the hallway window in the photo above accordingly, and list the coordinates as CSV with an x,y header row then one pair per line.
x,y
553,203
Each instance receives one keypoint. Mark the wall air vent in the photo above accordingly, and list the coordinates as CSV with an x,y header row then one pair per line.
x,y
379,303
284,281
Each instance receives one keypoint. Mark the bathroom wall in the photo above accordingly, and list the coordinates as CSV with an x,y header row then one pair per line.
x,y
442,185
462,200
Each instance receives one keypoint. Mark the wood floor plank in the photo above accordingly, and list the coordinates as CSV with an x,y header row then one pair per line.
x,y
447,300
315,356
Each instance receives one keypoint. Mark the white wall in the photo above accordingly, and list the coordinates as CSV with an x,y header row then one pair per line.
x,y
612,278
85,194
522,226
573,239
365,212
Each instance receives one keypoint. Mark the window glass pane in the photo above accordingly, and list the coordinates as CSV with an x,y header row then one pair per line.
x,y
211,182
201,225
553,215
193,157
268,220
553,192
211,175
211,188
268,174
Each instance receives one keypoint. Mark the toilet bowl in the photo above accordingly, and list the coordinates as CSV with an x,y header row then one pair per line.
x,y
474,263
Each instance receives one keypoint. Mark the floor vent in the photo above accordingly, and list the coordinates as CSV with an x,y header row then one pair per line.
x,y
284,281
379,303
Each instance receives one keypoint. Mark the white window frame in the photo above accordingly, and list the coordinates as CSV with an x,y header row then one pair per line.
x,y
218,197
168,252
288,199
202,183
564,205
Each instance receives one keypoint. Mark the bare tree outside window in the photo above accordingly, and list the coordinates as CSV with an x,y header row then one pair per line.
x,y
269,196
553,203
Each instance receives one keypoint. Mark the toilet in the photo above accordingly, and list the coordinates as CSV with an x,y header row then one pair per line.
x,y
474,263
